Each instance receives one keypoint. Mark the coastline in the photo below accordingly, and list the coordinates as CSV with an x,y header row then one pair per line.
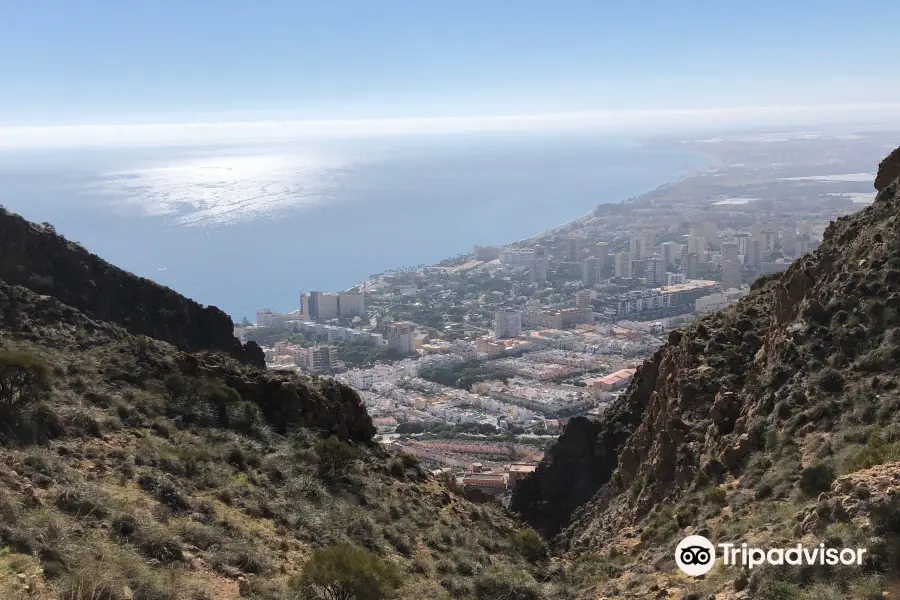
x,y
712,159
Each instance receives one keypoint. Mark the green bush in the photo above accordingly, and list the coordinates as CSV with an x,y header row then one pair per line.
x,y
347,572
530,545
716,495
335,456
209,403
24,378
816,478
246,555
877,451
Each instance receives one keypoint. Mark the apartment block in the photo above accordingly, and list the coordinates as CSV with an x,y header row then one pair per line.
x,y
487,253
583,298
623,265
592,270
656,271
667,297
731,274
573,249
671,252
507,323
351,305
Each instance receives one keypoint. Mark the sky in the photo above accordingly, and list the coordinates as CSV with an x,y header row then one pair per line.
x,y
108,62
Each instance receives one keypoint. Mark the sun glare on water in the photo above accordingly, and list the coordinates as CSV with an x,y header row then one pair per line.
x,y
221,190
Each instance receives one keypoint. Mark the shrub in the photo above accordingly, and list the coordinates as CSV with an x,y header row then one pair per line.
x,y
246,555
158,544
816,478
530,545
496,585
403,543
831,381
716,495
38,423
335,456
79,503
165,491
779,590
24,378
244,417
876,452
348,572
205,402
197,534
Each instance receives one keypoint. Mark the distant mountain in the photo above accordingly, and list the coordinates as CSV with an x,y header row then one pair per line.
x,y
772,422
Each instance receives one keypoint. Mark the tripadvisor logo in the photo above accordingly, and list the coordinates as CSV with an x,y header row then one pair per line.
x,y
696,555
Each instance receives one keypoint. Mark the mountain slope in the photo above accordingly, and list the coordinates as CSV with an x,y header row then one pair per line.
x,y
132,469
737,425
34,256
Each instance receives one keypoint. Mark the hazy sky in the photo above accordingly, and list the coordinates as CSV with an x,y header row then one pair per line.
x,y
169,61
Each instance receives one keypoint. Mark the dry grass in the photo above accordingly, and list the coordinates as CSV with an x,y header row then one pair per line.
x,y
131,501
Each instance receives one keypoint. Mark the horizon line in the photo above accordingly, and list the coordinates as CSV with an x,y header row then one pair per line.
x,y
199,132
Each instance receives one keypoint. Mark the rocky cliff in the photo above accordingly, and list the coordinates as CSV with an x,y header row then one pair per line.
x,y
34,256
737,425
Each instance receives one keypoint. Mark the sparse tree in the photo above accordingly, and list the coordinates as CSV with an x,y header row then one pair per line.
x,y
24,377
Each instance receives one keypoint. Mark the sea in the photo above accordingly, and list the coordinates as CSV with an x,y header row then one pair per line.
x,y
248,225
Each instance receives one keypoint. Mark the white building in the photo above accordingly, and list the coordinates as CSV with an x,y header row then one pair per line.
x,y
731,274
486,253
592,270
743,239
267,317
318,359
400,337
573,248
352,305
674,278
623,265
714,302
517,257
583,298
730,251
656,271
637,248
540,265
507,323
319,305
328,306
697,245
665,297
671,252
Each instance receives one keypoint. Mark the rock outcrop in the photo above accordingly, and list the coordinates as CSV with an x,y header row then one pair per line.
x,y
866,497
36,257
761,402
888,170
285,399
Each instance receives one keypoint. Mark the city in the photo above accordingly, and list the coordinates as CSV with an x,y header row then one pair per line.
x,y
474,364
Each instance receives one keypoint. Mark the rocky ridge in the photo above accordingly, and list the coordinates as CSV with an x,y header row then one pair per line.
x,y
739,422
36,257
